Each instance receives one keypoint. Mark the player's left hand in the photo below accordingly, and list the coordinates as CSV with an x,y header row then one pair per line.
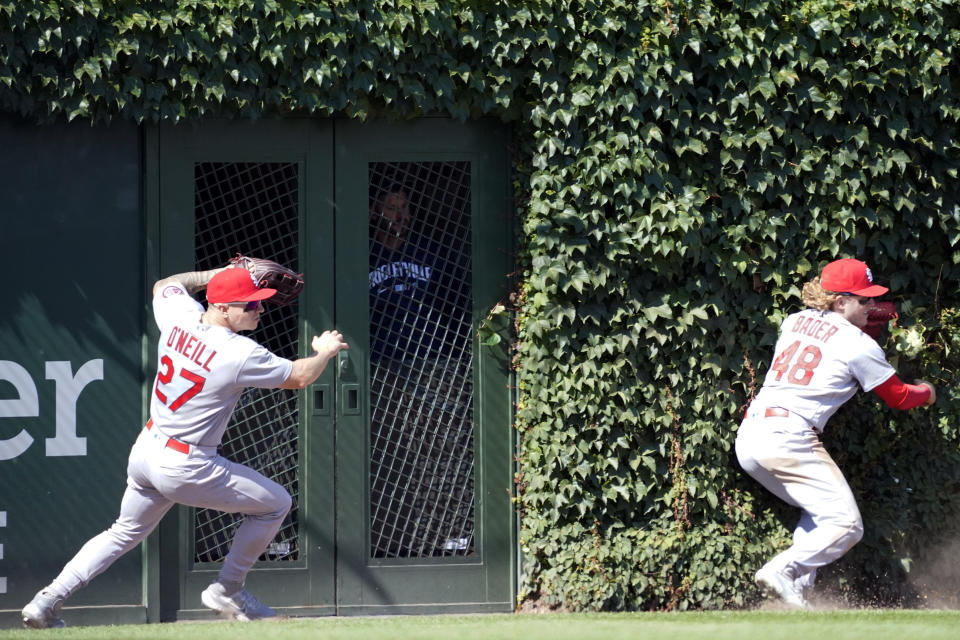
x,y
272,275
879,317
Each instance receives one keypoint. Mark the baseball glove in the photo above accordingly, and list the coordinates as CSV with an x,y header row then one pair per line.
x,y
879,317
272,275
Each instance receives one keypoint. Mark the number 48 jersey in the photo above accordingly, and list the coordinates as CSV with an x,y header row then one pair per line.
x,y
819,360
202,370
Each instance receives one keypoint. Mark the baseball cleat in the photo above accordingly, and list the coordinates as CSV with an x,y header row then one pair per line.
x,y
237,606
804,584
43,612
773,583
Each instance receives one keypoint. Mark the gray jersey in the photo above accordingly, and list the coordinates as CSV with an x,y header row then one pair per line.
x,y
202,370
820,360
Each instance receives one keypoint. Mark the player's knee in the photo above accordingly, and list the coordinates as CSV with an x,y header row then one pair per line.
x,y
856,532
128,533
853,532
282,502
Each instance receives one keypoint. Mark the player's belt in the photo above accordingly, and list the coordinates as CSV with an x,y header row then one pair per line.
x,y
776,412
176,445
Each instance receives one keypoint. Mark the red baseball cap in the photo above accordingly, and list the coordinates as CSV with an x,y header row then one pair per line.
x,y
235,285
850,276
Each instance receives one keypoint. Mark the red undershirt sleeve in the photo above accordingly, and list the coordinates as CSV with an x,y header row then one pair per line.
x,y
900,395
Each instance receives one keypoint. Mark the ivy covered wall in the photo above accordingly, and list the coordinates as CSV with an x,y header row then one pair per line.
x,y
683,167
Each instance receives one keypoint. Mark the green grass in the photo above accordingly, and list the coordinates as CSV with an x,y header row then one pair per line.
x,y
745,625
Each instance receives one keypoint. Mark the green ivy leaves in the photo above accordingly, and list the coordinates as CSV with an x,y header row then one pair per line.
x,y
687,181
682,169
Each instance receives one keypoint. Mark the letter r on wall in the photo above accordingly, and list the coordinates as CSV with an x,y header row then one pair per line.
x,y
66,442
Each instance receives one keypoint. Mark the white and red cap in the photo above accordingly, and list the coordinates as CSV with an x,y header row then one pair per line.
x,y
235,285
850,276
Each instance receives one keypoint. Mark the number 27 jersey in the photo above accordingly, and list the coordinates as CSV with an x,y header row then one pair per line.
x,y
202,370
819,360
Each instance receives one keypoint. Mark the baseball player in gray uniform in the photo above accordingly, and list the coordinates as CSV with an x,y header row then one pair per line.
x,y
821,357
204,364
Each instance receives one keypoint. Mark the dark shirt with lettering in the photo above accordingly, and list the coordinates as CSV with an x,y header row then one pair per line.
x,y
419,299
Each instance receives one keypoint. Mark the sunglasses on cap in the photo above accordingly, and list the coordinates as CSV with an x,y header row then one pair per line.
x,y
253,305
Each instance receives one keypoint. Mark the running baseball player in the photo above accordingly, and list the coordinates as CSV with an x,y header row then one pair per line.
x,y
204,364
821,356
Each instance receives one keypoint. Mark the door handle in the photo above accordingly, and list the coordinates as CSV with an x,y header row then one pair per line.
x,y
321,400
350,399
349,391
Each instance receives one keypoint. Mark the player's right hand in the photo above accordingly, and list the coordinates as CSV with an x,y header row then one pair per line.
x,y
933,392
329,343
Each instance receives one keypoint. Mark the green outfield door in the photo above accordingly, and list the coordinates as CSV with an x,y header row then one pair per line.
x,y
398,458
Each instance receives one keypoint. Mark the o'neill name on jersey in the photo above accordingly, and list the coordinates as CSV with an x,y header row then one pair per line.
x,y
190,346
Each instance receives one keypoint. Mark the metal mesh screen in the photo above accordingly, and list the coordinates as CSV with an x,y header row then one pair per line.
x,y
253,208
421,387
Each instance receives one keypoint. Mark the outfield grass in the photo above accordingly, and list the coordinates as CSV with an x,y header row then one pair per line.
x,y
745,625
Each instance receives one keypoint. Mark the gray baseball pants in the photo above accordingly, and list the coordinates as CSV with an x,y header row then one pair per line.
x,y
785,455
159,477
